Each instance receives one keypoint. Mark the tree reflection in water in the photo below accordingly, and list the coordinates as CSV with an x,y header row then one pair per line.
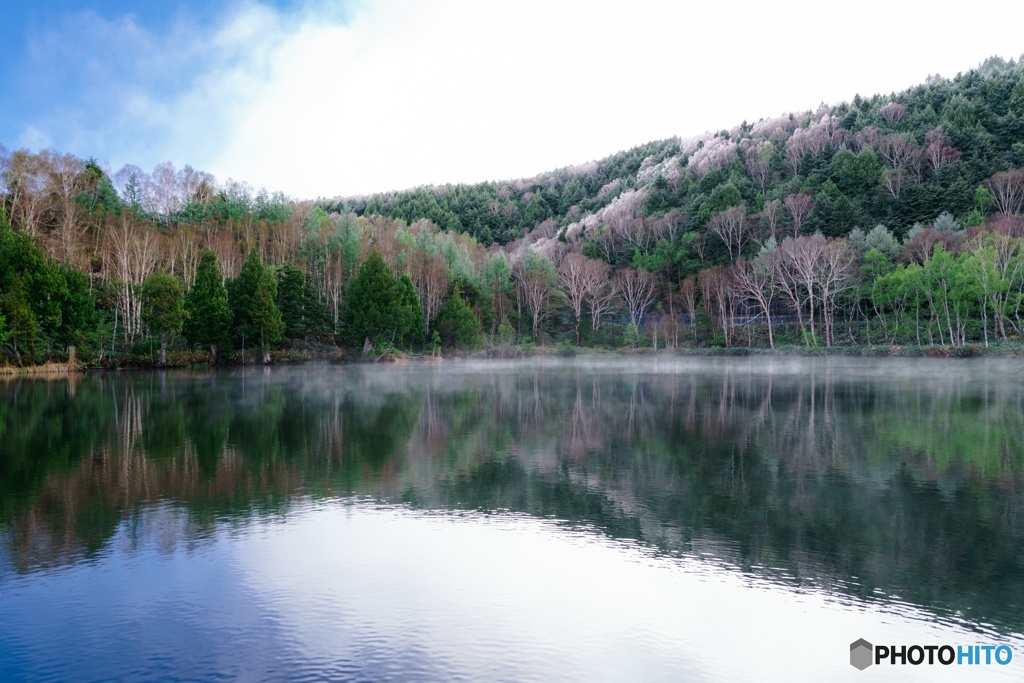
x,y
870,478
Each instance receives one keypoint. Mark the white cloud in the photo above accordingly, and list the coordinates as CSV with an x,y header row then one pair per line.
x,y
396,94
33,138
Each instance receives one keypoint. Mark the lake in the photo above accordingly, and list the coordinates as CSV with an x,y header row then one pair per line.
x,y
583,519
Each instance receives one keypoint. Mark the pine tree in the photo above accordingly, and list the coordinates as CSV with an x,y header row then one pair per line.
x,y
374,312
302,313
456,323
251,296
208,316
410,315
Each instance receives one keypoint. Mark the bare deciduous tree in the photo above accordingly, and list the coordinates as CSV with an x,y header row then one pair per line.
x,y
637,289
718,296
731,227
937,149
893,179
796,147
688,291
1007,188
65,183
770,215
893,112
572,276
25,176
699,244
586,282
836,273
164,191
795,264
799,207
229,256
895,149
625,222
184,253
601,296
758,280
535,280
668,226
131,253
867,137
433,285
759,165
812,272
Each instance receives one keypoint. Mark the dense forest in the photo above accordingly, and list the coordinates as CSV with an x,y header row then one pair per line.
x,y
883,221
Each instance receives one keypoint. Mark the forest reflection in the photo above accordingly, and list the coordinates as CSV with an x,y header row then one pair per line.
x,y
872,480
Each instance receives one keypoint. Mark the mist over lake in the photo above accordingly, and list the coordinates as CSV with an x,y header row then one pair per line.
x,y
542,519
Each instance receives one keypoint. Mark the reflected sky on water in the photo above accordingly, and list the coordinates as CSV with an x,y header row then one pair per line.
x,y
656,519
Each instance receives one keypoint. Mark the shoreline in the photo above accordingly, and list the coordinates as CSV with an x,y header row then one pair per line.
x,y
341,357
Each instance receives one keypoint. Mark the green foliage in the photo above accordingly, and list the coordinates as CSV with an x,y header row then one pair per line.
x,y
251,297
46,305
876,264
978,116
410,318
374,309
505,334
25,337
163,303
723,197
208,317
163,307
302,313
631,335
856,174
435,343
22,259
98,195
880,239
456,324
973,219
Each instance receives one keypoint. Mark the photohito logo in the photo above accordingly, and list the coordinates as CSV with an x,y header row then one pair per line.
x,y
863,654
860,654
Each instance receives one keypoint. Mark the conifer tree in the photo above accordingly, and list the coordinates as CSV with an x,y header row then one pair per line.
x,y
302,313
410,318
374,311
206,306
251,296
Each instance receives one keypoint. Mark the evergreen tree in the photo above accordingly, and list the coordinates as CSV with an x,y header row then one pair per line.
x,y
374,311
251,297
410,322
163,308
24,326
208,316
5,332
33,294
302,313
456,324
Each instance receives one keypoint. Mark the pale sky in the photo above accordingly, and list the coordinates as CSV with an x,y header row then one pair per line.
x,y
324,98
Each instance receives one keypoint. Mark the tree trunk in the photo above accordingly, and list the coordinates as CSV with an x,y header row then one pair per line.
x,y
266,356
163,351
213,352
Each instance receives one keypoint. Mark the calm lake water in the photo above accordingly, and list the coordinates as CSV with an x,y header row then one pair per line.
x,y
544,520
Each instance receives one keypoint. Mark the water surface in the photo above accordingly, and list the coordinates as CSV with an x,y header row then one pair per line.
x,y
659,519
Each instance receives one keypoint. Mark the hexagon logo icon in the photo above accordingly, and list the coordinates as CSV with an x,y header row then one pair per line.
x,y
861,654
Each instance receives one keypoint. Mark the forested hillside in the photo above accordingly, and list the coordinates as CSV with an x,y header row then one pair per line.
x,y
894,160
885,220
